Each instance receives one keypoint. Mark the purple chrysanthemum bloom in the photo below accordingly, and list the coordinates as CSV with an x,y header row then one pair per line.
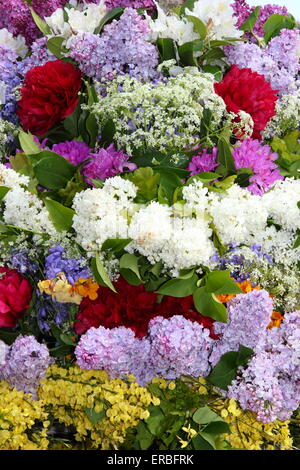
x,y
123,47
248,317
259,158
203,162
179,347
25,364
116,350
107,163
15,16
57,262
47,7
75,152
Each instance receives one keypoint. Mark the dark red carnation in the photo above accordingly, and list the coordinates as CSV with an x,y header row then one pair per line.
x,y
133,307
15,296
243,89
49,94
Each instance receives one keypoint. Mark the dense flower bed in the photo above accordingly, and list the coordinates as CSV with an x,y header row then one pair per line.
x,y
149,225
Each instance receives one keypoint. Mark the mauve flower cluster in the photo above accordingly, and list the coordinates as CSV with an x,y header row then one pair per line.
x,y
278,62
174,347
25,364
242,10
259,158
40,54
248,317
21,261
47,7
148,4
204,161
11,73
122,48
75,152
106,163
15,15
270,385
57,262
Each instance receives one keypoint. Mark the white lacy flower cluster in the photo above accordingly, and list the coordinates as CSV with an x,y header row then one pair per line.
x,y
161,116
180,236
287,116
7,129
82,18
22,208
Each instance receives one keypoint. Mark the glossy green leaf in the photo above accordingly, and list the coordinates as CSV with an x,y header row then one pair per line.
x,y
94,416
3,191
111,15
205,415
28,144
53,171
130,262
41,24
220,283
208,305
250,22
55,46
103,274
199,26
225,155
116,245
61,216
275,23
179,287
166,47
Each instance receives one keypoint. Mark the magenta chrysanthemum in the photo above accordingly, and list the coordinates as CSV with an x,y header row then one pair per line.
x,y
203,162
259,158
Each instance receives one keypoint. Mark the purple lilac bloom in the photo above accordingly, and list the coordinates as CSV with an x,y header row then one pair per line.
x,y
116,350
259,158
21,261
149,4
15,16
204,161
47,7
40,54
75,152
25,364
106,163
122,48
57,262
179,347
11,73
248,317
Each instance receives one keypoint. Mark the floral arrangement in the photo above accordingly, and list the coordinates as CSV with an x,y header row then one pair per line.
x,y
149,225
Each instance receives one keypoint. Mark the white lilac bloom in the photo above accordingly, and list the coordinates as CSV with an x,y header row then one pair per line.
x,y
11,178
171,26
16,44
218,15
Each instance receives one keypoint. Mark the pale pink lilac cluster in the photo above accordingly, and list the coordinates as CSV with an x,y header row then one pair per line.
x,y
259,158
25,364
204,161
278,62
121,48
270,385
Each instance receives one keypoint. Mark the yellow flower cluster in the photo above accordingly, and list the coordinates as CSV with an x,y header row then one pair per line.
x,y
101,409
18,416
249,434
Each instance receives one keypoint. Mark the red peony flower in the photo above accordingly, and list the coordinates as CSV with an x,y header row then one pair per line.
x,y
133,307
15,296
242,89
49,94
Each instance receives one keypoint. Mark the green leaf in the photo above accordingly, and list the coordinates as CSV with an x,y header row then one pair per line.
x,y
186,54
225,154
168,183
208,305
146,181
199,443
108,132
144,437
42,25
61,216
65,339
226,369
129,269
8,336
159,159
217,427
275,23
55,46
205,415
179,287
297,242
189,4
216,53
220,283
199,26
116,245
3,191
111,15
250,22
103,274
155,420
209,438
53,171
62,351
94,416
28,145
166,48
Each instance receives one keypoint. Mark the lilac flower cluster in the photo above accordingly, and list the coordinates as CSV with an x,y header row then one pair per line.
x,y
122,48
11,73
174,347
40,54
248,317
57,262
15,16
278,62
25,364
204,161
47,7
270,385
259,158
148,4
107,163
242,10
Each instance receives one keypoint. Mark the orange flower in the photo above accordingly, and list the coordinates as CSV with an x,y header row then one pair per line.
x,y
276,320
87,288
246,286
